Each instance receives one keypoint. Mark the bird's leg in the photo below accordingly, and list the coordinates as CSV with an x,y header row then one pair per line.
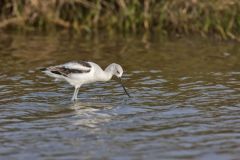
x,y
74,97
76,93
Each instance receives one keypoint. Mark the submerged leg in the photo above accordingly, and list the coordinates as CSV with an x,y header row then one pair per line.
x,y
74,97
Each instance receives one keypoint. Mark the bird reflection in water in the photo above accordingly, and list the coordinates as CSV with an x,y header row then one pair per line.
x,y
91,114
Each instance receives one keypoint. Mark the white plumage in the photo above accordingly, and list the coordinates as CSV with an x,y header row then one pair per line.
x,y
81,72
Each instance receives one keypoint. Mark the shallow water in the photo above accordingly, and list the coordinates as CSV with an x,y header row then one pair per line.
x,y
185,99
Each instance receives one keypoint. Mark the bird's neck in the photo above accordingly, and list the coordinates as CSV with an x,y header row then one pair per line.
x,y
105,76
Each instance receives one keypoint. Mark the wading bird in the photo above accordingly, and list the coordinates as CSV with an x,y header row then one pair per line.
x,y
81,72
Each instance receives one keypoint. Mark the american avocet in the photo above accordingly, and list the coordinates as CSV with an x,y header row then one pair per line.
x,y
81,72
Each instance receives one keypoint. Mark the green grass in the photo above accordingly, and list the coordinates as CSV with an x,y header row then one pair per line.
x,y
218,18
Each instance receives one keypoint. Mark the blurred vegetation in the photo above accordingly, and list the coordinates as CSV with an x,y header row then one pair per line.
x,y
220,18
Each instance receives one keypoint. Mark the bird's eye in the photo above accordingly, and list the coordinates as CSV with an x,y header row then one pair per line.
x,y
118,72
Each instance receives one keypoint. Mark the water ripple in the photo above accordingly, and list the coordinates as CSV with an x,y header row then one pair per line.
x,y
187,110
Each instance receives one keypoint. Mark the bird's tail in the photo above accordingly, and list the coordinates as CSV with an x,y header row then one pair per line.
x,y
43,69
51,73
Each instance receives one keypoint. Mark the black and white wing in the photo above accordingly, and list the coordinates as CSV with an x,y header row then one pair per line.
x,y
67,69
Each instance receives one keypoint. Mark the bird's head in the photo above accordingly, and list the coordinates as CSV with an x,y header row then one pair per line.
x,y
116,70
